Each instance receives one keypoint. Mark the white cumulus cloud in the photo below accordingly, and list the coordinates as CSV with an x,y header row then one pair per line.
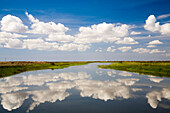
x,y
14,43
111,49
154,42
127,40
13,24
135,33
39,27
150,46
124,49
141,50
103,32
157,51
153,26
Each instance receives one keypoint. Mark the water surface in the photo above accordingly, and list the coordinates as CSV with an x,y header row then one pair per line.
x,y
84,89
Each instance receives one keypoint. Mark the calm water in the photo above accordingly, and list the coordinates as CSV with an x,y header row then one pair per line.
x,y
84,89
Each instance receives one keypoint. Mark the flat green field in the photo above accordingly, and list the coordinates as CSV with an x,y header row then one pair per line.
x,y
155,68
12,68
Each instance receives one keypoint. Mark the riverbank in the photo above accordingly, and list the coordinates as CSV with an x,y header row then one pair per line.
x,y
12,68
155,68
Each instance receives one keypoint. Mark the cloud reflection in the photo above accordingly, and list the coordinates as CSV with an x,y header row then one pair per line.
x,y
156,80
106,90
52,87
155,96
128,81
13,100
124,73
111,73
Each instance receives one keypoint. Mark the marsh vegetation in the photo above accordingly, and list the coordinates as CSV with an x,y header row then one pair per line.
x,y
155,68
12,68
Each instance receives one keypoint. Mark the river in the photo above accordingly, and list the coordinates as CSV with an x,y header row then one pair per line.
x,y
84,89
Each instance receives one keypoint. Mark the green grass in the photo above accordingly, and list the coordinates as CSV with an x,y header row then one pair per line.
x,y
12,68
155,68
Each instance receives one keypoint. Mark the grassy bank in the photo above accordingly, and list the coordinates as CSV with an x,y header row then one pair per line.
x,y
12,68
155,68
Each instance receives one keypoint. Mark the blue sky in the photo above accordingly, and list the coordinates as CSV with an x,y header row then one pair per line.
x,y
88,30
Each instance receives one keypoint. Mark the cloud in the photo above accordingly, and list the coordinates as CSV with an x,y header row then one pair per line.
x,y
40,44
4,37
154,42
150,46
141,50
127,40
60,37
9,40
11,35
167,55
99,50
124,49
135,33
39,27
13,24
94,34
14,43
163,16
165,29
31,18
153,26
55,32
73,47
110,49
156,51
101,33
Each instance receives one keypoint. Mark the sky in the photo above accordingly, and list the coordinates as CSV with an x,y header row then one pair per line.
x,y
76,30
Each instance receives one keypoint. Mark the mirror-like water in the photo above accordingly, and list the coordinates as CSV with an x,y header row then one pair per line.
x,y
84,89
